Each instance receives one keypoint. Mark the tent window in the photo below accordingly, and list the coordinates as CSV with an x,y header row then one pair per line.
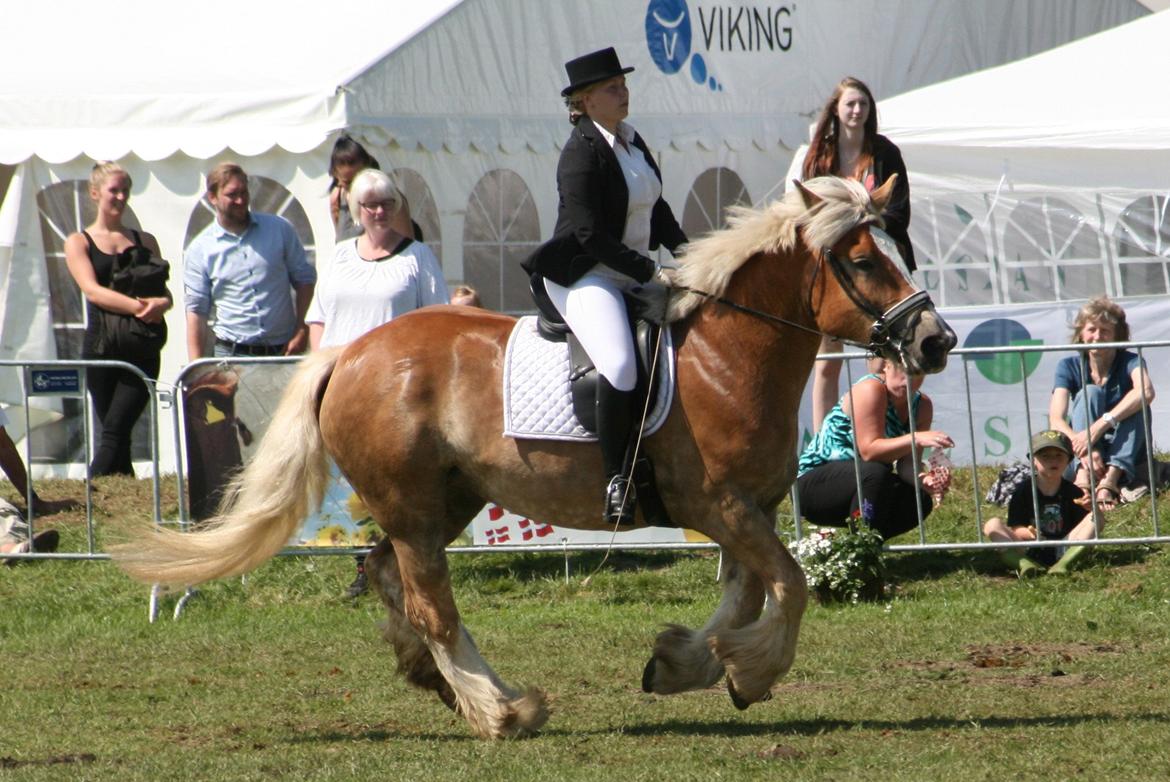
x,y
713,192
1142,237
1051,253
502,228
64,208
955,262
422,207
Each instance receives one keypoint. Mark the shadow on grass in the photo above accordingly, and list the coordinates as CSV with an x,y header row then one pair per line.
x,y
910,566
735,729
818,727
538,567
925,565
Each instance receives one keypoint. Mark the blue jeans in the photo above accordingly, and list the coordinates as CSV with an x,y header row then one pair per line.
x,y
1125,446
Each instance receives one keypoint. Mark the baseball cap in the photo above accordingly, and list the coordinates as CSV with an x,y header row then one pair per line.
x,y
1050,438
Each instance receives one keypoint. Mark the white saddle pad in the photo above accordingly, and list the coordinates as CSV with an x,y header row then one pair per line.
x,y
538,404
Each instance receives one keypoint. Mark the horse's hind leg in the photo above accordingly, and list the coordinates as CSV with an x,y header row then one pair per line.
x,y
682,658
491,707
415,661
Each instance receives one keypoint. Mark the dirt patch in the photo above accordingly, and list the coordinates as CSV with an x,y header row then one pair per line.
x,y
1022,665
1019,655
780,752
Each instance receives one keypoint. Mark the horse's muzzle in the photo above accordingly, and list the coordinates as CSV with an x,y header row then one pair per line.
x,y
928,347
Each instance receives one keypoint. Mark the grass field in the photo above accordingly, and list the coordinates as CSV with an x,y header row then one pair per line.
x,y
965,673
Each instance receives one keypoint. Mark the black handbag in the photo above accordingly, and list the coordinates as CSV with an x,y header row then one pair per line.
x,y
137,273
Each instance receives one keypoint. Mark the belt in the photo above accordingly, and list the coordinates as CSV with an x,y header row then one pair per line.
x,y
243,349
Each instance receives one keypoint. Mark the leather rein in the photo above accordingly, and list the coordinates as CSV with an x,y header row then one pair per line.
x,y
905,312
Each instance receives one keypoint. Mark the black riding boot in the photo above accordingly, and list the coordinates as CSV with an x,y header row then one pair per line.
x,y
615,421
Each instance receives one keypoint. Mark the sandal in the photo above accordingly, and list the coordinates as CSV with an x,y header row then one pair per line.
x,y
1111,498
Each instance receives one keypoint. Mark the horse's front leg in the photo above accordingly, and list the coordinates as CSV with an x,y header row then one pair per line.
x,y
682,659
492,708
758,654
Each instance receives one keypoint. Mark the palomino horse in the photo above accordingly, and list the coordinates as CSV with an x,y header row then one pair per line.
x,y
411,412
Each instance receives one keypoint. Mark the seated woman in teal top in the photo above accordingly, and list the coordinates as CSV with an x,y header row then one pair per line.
x,y
826,481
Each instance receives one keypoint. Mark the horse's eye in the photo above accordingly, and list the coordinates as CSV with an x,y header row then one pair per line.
x,y
863,264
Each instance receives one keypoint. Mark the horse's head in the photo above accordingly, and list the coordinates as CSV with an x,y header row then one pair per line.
x,y
859,290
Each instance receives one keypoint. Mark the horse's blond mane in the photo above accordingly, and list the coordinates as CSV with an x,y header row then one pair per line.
x,y
708,263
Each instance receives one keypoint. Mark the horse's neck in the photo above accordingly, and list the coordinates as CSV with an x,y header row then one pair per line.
x,y
762,358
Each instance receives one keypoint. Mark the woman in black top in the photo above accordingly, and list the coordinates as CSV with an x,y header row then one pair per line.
x,y
119,396
611,215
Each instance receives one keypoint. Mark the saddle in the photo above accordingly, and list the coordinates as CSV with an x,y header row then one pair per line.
x,y
646,312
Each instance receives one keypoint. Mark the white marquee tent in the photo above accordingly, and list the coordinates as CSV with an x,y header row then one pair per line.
x,y
459,97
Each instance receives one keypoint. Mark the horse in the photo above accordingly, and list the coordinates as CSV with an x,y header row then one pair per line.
x,y
411,412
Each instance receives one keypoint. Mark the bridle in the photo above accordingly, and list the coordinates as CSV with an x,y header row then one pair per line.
x,y
889,328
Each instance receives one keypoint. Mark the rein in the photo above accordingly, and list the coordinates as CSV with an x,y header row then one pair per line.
x,y
881,332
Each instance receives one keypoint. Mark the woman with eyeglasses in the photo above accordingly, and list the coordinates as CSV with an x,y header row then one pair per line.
x,y
372,278
376,276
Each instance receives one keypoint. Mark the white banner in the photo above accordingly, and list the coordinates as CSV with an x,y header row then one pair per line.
x,y
495,526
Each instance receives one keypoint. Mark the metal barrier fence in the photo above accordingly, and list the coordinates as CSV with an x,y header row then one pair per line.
x,y
979,542
173,397
67,379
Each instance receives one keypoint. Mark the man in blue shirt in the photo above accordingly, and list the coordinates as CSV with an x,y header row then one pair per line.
x,y
253,269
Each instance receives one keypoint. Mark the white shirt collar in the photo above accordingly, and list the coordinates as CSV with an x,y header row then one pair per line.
x,y
627,133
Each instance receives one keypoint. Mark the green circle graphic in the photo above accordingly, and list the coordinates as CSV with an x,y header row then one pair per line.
x,y
1004,369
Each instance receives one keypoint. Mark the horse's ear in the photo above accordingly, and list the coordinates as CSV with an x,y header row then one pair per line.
x,y
811,199
881,196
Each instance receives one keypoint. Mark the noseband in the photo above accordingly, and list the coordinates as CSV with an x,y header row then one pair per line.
x,y
889,328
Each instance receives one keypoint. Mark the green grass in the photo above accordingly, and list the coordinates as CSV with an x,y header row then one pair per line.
x,y
965,674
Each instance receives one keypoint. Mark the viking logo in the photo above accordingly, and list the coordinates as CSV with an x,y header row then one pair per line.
x,y
669,36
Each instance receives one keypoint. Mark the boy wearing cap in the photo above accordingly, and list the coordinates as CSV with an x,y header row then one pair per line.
x,y
1061,517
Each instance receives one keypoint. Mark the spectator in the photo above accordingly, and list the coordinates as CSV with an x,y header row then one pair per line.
x,y
845,143
348,158
14,537
246,264
373,278
1060,515
376,276
1104,415
881,406
92,257
13,467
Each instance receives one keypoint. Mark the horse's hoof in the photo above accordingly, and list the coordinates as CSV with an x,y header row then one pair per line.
x,y
739,701
648,675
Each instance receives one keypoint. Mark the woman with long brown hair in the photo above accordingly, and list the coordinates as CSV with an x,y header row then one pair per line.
x,y
846,143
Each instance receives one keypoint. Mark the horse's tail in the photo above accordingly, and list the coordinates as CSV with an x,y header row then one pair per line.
x,y
263,505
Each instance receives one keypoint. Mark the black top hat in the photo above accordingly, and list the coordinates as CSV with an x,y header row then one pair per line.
x,y
592,68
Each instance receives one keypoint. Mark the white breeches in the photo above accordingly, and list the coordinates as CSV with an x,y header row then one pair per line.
x,y
595,311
